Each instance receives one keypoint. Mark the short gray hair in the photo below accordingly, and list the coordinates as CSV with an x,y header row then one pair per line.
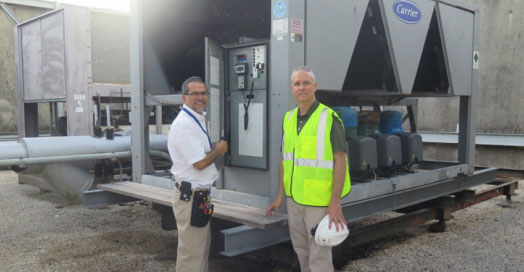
x,y
185,85
305,69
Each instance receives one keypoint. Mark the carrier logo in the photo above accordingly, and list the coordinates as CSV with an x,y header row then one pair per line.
x,y
407,11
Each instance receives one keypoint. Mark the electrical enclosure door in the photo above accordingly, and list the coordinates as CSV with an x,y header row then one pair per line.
x,y
215,84
247,105
214,73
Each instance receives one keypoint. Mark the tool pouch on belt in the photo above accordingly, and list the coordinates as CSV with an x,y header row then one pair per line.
x,y
202,209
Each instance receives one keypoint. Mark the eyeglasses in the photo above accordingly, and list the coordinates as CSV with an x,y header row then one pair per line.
x,y
203,94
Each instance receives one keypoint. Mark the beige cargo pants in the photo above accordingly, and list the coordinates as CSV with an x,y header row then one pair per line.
x,y
302,219
193,242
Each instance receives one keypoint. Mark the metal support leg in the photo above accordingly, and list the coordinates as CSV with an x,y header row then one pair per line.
x,y
138,134
439,226
510,190
466,144
10,13
149,169
445,206
412,118
158,115
168,218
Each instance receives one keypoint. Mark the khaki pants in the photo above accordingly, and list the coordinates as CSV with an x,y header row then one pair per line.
x,y
302,219
193,242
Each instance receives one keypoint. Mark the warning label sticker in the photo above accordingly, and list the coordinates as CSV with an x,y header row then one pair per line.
x,y
280,27
297,30
297,26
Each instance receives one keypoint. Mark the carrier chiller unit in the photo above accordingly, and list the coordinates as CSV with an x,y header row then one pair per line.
x,y
363,53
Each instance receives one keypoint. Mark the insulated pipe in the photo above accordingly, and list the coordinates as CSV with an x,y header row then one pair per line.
x,y
69,158
160,154
74,145
108,116
11,150
72,148
67,179
63,164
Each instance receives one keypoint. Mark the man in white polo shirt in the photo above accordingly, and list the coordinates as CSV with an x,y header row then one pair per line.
x,y
194,172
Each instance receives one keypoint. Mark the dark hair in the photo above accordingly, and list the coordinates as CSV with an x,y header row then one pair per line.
x,y
185,85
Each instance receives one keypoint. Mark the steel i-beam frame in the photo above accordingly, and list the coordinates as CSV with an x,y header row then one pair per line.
x,y
245,238
424,214
10,13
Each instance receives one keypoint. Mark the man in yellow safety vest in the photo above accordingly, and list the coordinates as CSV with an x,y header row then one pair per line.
x,y
314,172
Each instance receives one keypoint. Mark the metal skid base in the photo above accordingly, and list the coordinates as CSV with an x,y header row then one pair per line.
x,y
440,209
420,196
244,239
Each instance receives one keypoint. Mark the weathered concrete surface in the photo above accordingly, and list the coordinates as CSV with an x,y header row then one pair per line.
x,y
501,75
500,97
501,71
8,111
438,114
485,156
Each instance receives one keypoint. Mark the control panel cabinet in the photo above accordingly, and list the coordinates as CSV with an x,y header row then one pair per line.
x,y
246,104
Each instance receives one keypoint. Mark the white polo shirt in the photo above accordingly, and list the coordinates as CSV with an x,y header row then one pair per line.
x,y
187,144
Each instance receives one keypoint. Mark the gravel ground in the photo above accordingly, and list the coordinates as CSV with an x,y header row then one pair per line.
x,y
485,237
44,232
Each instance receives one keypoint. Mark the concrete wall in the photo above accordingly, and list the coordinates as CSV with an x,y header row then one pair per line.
x,y
501,83
8,113
485,156
501,75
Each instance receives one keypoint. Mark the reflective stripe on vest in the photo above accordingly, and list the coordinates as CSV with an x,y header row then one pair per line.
x,y
321,136
313,163
287,156
308,158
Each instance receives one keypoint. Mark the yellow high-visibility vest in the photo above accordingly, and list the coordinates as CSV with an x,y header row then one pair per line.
x,y
308,158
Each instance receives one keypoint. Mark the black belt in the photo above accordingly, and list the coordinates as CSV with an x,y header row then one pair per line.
x,y
177,185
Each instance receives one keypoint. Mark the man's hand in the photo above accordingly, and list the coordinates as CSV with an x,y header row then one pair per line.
x,y
339,173
274,206
335,215
221,147
278,201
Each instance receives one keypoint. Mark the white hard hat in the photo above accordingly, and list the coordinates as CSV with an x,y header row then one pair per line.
x,y
329,237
